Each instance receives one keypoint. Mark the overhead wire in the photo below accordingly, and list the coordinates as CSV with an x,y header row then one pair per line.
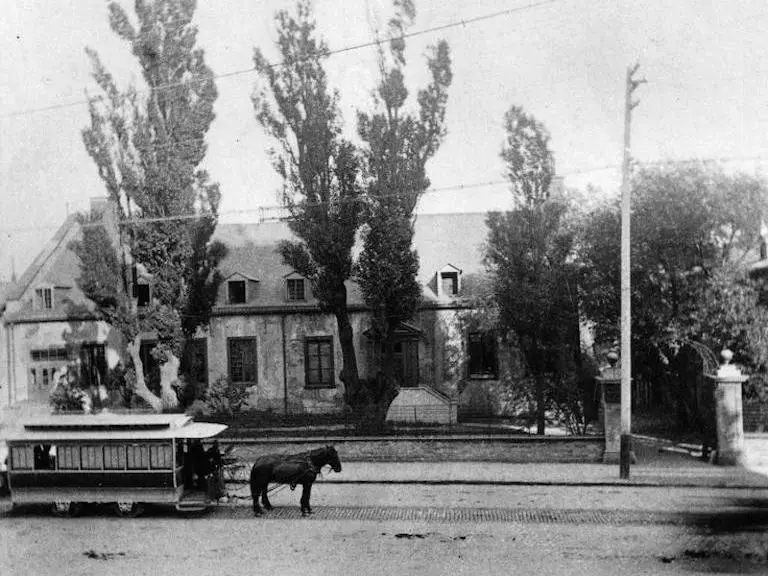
x,y
328,53
442,189
376,42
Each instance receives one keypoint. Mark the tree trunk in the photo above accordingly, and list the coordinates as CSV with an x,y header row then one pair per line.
x,y
349,373
169,375
540,406
141,389
380,391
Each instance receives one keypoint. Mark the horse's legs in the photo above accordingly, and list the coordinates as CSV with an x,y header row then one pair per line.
x,y
255,490
264,499
306,492
255,496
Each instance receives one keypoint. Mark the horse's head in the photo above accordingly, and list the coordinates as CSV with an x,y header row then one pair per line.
x,y
333,458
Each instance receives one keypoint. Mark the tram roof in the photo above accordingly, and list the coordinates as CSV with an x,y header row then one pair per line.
x,y
109,426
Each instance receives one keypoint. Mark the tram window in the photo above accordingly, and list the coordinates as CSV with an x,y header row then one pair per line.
x,y
21,457
91,457
114,457
179,453
160,456
44,457
69,457
138,457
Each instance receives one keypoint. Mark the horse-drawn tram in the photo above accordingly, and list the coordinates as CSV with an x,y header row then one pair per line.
x,y
125,460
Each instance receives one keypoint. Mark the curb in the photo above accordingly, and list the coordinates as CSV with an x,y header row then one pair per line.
x,y
714,485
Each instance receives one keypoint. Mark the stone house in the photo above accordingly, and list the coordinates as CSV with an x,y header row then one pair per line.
x,y
266,329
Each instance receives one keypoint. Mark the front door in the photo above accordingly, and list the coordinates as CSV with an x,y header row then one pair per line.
x,y
407,362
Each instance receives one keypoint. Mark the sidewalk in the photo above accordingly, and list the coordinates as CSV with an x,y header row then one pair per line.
x,y
500,473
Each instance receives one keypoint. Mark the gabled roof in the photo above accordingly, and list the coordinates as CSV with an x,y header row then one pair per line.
x,y
240,275
293,274
450,266
456,238
62,273
252,253
438,239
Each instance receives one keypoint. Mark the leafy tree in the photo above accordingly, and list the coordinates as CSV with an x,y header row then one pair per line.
x,y
527,157
320,170
527,253
690,225
398,145
148,145
693,227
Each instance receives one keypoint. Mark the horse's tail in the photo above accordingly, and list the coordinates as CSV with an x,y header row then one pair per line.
x,y
254,487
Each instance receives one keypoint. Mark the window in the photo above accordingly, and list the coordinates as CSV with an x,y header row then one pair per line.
x,y
161,456
138,456
69,457
142,293
236,291
295,289
242,359
151,364
114,457
44,298
45,457
482,355
449,283
91,457
93,364
318,362
49,355
21,457
194,362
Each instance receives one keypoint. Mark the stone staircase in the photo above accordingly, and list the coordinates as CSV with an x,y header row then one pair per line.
x,y
422,404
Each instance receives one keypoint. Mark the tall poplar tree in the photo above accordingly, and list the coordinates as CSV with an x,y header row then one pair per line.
x,y
148,143
527,253
320,170
398,144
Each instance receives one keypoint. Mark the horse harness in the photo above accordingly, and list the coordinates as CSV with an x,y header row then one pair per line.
x,y
311,468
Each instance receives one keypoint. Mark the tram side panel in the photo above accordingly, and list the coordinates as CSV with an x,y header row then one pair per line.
x,y
95,472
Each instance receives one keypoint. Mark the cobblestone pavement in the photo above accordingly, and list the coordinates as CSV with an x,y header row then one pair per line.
x,y
470,515
343,540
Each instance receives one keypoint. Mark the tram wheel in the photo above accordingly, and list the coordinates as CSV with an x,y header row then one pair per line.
x,y
66,508
128,509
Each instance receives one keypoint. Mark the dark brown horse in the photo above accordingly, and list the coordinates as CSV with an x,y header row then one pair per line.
x,y
292,469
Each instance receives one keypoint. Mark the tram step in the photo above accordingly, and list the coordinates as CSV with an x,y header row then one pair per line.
x,y
191,506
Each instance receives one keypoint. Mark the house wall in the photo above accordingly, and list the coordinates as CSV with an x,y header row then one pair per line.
x,y
25,337
276,376
446,367
5,380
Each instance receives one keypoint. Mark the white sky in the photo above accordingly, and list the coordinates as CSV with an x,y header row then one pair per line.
x,y
564,61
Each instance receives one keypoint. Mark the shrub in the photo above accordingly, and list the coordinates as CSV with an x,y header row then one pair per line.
x,y
222,398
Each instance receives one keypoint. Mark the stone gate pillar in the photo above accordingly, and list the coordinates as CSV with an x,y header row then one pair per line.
x,y
728,413
610,395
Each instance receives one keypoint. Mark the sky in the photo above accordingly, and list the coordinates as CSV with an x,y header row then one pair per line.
x,y
564,61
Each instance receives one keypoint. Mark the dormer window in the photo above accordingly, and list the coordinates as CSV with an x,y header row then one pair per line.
x,y
449,282
295,289
236,291
44,298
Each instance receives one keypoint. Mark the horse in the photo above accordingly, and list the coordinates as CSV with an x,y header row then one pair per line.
x,y
293,469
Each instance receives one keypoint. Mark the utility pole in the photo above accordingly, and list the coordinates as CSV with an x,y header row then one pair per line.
x,y
625,454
